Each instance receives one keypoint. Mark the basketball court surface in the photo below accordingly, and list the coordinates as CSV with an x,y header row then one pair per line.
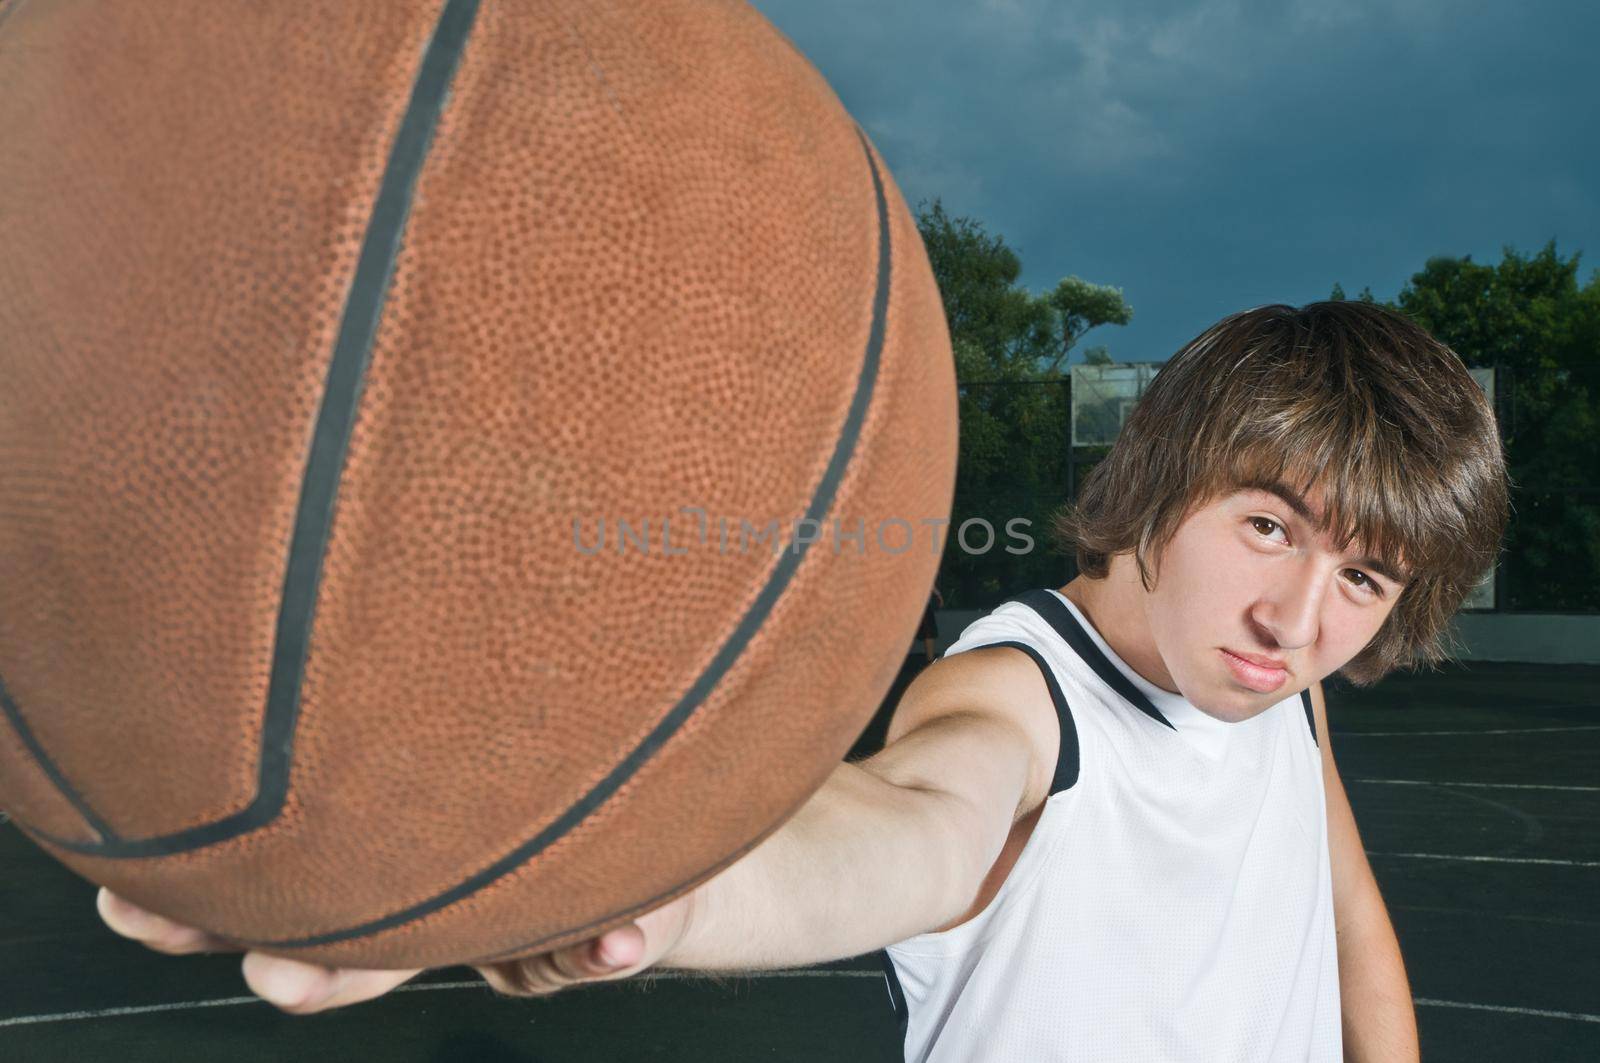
x,y
1475,788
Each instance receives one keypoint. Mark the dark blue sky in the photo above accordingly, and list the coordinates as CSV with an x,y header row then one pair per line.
x,y
1212,155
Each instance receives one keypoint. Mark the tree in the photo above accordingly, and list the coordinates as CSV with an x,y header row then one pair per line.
x,y
1010,346
1338,295
1000,329
1081,306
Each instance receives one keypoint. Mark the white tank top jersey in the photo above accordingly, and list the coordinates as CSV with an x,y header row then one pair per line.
x,y
1174,900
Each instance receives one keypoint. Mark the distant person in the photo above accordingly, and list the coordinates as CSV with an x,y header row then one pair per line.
x,y
1107,825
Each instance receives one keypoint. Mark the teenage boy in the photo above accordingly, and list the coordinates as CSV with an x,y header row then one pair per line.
x,y
1107,824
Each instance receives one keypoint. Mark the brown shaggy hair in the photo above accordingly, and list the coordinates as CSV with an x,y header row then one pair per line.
x,y
1346,396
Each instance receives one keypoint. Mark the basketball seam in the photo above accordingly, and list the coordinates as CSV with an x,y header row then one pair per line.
x,y
314,517
330,439
821,501
9,9
51,769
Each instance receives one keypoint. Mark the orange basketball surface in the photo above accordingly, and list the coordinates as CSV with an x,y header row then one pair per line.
x,y
456,458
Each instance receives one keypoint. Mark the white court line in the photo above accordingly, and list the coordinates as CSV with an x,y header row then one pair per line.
x,y
1480,785
104,1013
1490,859
1548,920
1540,1012
426,987
107,1013
1502,731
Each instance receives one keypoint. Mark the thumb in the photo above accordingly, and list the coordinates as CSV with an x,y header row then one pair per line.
x,y
618,949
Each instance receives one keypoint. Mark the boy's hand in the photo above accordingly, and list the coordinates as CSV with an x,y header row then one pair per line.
x,y
301,988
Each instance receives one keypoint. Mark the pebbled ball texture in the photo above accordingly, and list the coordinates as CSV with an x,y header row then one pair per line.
x,y
647,280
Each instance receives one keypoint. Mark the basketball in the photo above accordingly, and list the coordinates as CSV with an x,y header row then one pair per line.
x,y
468,470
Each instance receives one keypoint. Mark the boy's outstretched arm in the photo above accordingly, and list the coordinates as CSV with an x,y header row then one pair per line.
x,y
891,847
896,845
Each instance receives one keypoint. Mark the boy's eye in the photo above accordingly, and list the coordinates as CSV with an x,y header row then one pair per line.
x,y
1268,528
1364,581
1265,525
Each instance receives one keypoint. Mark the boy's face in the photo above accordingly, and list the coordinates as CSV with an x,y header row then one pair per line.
x,y
1251,605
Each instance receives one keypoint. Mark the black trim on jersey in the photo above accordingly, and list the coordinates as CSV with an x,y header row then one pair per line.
x,y
1066,776
1311,720
897,995
1067,756
1050,608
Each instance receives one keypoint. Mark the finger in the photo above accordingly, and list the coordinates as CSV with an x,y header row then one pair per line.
x,y
355,986
155,931
620,949
601,959
516,978
305,988
532,976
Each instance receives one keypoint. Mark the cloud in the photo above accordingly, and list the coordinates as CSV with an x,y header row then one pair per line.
x,y
1213,153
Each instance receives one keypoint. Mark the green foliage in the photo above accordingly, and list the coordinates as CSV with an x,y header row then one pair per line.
x,y
1000,329
1338,296
1530,316
1082,306
1010,350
